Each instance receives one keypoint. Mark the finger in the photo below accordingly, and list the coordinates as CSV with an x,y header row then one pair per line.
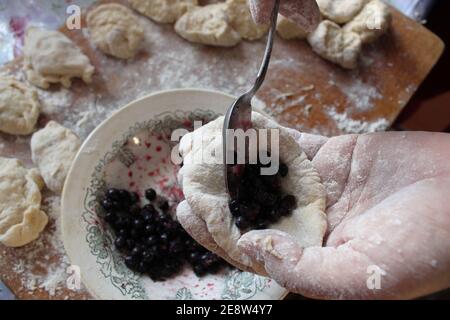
x,y
197,229
310,143
316,272
304,13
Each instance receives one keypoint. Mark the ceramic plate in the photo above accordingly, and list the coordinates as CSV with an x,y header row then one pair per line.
x,y
132,150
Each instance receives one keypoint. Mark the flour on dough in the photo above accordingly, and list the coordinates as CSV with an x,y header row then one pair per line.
x,y
208,25
21,219
372,22
241,20
51,57
333,44
115,30
340,11
19,107
204,188
53,150
289,30
163,11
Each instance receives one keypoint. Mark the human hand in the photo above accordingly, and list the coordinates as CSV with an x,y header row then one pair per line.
x,y
387,207
305,13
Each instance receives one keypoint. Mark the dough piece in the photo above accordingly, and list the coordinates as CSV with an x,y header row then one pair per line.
x,y
19,107
51,57
204,188
372,22
53,150
241,20
333,44
289,30
163,11
115,30
21,220
340,11
208,25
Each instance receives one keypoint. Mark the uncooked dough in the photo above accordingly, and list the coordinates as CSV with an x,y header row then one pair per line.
x,y
290,30
241,20
163,11
340,11
204,188
115,30
53,150
208,25
51,57
19,107
332,43
373,21
21,220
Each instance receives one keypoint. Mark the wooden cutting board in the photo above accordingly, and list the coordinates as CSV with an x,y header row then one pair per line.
x,y
302,90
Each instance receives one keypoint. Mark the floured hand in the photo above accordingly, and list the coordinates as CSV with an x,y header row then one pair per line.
x,y
387,213
305,13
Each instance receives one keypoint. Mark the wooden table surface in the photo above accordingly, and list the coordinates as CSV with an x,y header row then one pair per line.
x,y
302,91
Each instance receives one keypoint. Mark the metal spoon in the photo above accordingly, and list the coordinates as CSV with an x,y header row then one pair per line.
x,y
239,115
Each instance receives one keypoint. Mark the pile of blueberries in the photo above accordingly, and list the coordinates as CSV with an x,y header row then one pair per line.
x,y
150,240
260,200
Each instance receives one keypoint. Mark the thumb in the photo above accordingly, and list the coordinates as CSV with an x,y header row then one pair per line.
x,y
315,272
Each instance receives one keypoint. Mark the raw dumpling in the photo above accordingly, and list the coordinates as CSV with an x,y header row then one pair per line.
x,y
208,25
202,180
51,57
333,44
340,11
21,220
163,11
115,30
290,30
241,20
373,21
19,107
53,150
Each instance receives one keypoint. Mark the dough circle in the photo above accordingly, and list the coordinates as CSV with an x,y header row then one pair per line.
x,y
208,25
51,57
204,189
21,220
53,150
115,30
163,11
19,107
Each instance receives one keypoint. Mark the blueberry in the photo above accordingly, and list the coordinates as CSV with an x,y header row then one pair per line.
x,y
194,256
135,209
150,194
242,223
283,170
149,208
138,223
120,242
124,196
175,247
199,270
148,256
122,222
112,194
164,205
289,202
131,262
135,233
134,198
164,238
110,218
151,240
130,244
234,208
141,267
122,232
261,225
107,204
149,229
136,251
